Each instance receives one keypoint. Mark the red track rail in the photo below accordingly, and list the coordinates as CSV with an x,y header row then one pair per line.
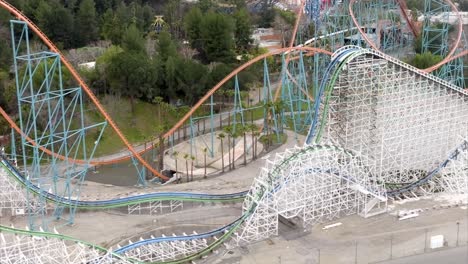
x,y
291,44
101,109
430,69
52,47
403,8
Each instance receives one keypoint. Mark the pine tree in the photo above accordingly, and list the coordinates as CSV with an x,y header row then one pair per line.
x,y
86,23
243,30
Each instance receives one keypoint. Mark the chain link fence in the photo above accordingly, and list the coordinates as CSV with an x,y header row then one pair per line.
x,y
392,245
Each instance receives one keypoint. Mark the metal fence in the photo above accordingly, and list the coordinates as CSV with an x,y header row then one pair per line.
x,y
392,245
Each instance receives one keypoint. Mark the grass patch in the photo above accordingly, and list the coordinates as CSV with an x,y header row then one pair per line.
x,y
141,126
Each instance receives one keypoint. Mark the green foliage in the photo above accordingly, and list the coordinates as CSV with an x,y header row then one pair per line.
x,y
425,60
6,91
243,29
132,40
205,5
130,74
165,46
287,15
86,23
436,40
192,79
192,25
57,22
126,68
267,15
216,32
173,16
111,27
5,55
415,5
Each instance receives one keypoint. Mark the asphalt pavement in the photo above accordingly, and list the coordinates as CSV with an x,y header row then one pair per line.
x,y
458,255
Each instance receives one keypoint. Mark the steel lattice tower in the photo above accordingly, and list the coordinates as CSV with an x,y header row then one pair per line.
x,y
51,117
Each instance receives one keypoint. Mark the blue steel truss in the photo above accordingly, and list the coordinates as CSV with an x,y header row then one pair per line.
x,y
435,40
435,35
53,118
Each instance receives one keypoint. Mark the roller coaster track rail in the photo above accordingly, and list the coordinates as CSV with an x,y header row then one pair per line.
x,y
133,153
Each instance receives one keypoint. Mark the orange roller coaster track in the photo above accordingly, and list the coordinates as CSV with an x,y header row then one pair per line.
x,y
19,15
430,69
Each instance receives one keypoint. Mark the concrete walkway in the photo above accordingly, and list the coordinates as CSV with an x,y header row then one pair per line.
x,y
236,180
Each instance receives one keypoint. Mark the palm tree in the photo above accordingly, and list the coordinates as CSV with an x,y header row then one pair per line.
x,y
192,158
186,157
161,151
205,150
256,134
267,107
279,106
228,131
234,135
221,136
253,128
174,155
243,130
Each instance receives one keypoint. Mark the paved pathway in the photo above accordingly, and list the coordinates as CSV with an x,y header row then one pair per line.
x,y
236,180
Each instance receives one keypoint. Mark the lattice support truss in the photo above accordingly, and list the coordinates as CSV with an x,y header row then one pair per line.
x,y
156,207
27,249
315,183
167,249
406,122
51,116
13,200
453,178
435,35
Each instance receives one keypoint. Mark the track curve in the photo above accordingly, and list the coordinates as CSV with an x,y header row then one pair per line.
x,y
339,61
101,109
432,68
19,15
118,202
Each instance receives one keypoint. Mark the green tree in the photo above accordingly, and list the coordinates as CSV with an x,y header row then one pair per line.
x,y
57,23
425,60
173,16
132,40
86,23
186,158
205,5
221,137
130,73
205,151
192,160
228,131
192,78
170,71
217,36
5,54
267,14
234,135
165,46
103,62
103,5
175,155
192,26
243,29
111,27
